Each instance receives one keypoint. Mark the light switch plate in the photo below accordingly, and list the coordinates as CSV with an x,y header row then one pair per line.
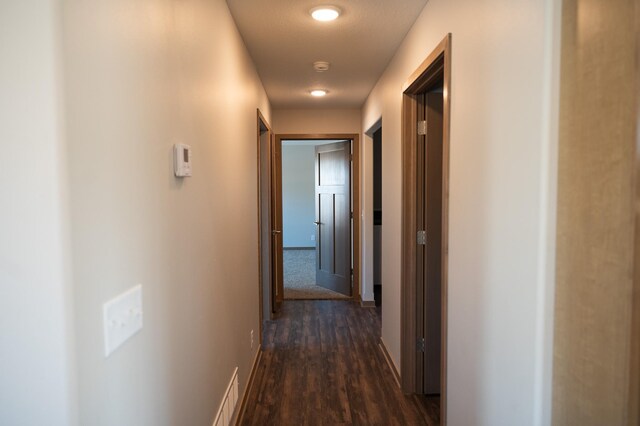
x,y
122,318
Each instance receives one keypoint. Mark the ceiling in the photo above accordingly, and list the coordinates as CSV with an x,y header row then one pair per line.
x,y
284,42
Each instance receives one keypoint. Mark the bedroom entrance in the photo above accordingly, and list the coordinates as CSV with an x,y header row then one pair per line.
x,y
317,200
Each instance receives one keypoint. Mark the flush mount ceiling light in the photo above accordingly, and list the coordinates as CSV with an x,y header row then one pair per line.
x,y
318,93
325,13
321,66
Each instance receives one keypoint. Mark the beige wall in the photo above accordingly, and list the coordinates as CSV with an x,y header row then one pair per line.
x,y
36,345
316,121
138,77
503,74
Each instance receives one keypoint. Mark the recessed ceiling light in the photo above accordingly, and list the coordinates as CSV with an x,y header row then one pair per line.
x,y
325,13
318,93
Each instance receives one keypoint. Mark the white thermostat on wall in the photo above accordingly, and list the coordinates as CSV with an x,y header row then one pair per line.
x,y
181,160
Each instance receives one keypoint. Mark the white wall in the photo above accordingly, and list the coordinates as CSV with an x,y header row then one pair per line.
x,y
140,77
502,74
36,340
91,208
298,195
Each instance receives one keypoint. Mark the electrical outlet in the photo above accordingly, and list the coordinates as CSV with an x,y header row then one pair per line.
x,y
313,237
251,339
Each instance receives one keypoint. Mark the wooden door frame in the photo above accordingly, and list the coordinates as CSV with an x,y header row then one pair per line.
x,y
634,386
435,68
261,121
355,192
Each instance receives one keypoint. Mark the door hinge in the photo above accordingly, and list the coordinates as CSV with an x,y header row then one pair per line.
x,y
351,215
420,344
422,127
421,238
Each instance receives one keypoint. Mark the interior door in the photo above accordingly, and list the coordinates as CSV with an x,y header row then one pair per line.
x,y
276,223
333,216
430,262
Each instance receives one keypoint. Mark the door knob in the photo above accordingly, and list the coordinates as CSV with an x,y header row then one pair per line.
x,y
318,223
274,232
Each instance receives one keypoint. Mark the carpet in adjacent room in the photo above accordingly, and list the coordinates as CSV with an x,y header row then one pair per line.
x,y
300,277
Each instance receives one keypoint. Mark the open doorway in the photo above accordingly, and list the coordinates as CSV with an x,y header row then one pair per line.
x,y
267,261
425,139
320,233
377,216
315,219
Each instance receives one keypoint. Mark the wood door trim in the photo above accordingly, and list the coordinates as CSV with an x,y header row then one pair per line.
x,y
355,193
634,390
634,385
436,66
260,120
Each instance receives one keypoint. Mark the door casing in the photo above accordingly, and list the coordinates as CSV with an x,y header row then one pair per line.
x,y
434,69
265,281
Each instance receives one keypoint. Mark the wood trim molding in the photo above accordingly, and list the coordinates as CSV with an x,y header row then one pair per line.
x,y
634,390
436,66
368,303
248,388
356,216
355,183
389,361
634,375
413,84
408,271
261,121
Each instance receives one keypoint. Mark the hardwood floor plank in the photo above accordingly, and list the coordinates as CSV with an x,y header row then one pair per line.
x,y
321,365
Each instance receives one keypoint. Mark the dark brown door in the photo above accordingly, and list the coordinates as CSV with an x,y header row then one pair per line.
x,y
429,260
333,217
276,223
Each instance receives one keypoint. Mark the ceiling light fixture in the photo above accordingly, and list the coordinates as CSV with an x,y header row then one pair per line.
x,y
325,13
321,66
318,93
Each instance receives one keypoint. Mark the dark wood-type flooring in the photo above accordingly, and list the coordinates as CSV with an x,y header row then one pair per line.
x,y
321,365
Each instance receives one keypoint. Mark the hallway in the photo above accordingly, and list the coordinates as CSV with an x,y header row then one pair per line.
x,y
142,212
321,364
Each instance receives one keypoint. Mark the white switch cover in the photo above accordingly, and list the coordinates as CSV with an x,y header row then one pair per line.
x,y
122,318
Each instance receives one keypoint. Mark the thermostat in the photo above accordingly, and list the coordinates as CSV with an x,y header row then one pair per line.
x,y
181,160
